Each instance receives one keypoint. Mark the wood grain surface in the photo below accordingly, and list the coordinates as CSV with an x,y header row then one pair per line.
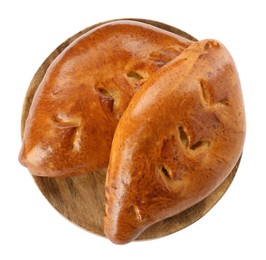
x,y
81,198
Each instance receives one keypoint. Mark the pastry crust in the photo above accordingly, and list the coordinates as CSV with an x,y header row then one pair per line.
x,y
180,136
177,141
76,108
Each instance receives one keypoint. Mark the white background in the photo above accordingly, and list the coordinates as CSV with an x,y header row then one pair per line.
x,y
30,228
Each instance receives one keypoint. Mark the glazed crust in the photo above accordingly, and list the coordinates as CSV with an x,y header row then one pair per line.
x,y
77,106
179,138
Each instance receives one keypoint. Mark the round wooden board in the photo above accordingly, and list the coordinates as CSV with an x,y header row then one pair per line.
x,y
81,198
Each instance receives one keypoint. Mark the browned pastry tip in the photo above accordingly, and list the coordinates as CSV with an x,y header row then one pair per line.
x,y
177,141
76,108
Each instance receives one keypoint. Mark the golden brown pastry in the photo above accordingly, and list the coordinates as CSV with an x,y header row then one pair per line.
x,y
179,138
76,108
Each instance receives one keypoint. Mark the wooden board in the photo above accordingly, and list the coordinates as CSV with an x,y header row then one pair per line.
x,y
81,198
